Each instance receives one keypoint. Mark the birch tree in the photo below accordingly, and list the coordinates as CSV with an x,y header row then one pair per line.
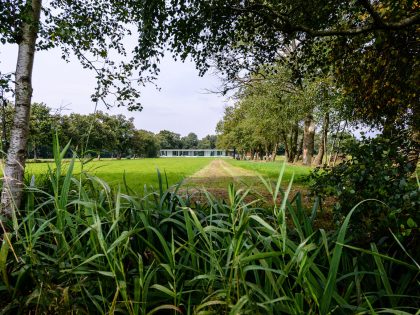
x,y
91,30
15,161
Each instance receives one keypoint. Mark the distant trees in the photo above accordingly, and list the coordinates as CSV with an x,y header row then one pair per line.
x,y
98,134
144,144
274,111
171,140
190,141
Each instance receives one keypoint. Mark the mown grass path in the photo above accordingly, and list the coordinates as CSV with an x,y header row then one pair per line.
x,y
219,174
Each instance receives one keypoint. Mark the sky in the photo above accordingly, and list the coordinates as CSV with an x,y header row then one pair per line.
x,y
182,105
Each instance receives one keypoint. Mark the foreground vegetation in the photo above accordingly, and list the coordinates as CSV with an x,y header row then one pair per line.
x,y
80,246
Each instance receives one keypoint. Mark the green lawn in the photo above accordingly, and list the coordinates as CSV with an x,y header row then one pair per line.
x,y
138,172
272,169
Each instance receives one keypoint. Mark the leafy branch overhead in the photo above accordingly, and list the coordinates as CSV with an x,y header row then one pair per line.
x,y
370,46
96,33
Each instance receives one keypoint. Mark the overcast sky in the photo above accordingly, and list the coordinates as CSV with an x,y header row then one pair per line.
x,y
182,105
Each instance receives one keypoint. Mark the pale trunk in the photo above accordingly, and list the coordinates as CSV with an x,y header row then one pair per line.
x,y
323,144
338,145
4,128
299,150
15,161
308,140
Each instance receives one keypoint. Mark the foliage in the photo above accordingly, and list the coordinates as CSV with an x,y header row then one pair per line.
x,y
89,249
208,142
99,134
144,144
270,110
93,31
169,140
380,169
370,46
42,125
190,141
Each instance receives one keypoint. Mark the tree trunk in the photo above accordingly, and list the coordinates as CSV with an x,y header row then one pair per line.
x,y
323,144
299,150
4,128
286,147
338,144
274,154
308,140
35,154
294,142
15,161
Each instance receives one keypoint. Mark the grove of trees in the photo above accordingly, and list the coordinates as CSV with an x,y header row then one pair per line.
x,y
97,135
273,112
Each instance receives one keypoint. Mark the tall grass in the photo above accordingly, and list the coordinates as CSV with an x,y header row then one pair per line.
x,y
81,247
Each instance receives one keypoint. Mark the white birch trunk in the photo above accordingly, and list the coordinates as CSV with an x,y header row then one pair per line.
x,y
16,155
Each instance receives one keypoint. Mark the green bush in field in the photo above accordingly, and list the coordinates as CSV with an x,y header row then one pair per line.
x,y
380,169
84,248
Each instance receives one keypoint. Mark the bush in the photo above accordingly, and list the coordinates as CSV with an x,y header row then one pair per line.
x,y
379,169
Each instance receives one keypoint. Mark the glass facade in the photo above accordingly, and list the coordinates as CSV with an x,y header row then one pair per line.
x,y
193,153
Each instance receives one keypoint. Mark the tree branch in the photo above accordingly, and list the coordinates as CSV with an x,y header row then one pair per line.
x,y
375,15
283,23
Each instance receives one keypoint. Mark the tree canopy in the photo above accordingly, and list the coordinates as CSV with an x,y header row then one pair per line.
x,y
370,45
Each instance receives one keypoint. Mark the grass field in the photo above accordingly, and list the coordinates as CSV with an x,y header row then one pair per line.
x,y
138,172
272,170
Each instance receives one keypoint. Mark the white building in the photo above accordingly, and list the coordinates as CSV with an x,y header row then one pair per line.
x,y
194,153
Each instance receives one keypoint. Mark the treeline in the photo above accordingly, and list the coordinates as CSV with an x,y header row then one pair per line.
x,y
97,134
274,113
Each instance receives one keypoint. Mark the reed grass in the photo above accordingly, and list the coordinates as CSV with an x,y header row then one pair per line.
x,y
82,247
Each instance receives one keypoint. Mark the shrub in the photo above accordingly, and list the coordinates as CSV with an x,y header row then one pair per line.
x,y
379,169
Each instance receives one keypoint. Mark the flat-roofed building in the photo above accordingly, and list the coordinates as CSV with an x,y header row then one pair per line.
x,y
195,153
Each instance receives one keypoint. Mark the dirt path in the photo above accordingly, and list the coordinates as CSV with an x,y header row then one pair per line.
x,y
220,173
216,177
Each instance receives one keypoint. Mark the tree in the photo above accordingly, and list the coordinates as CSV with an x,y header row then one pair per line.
x,y
90,29
208,142
144,144
308,140
124,131
41,127
15,162
267,114
190,141
371,46
169,140
96,133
